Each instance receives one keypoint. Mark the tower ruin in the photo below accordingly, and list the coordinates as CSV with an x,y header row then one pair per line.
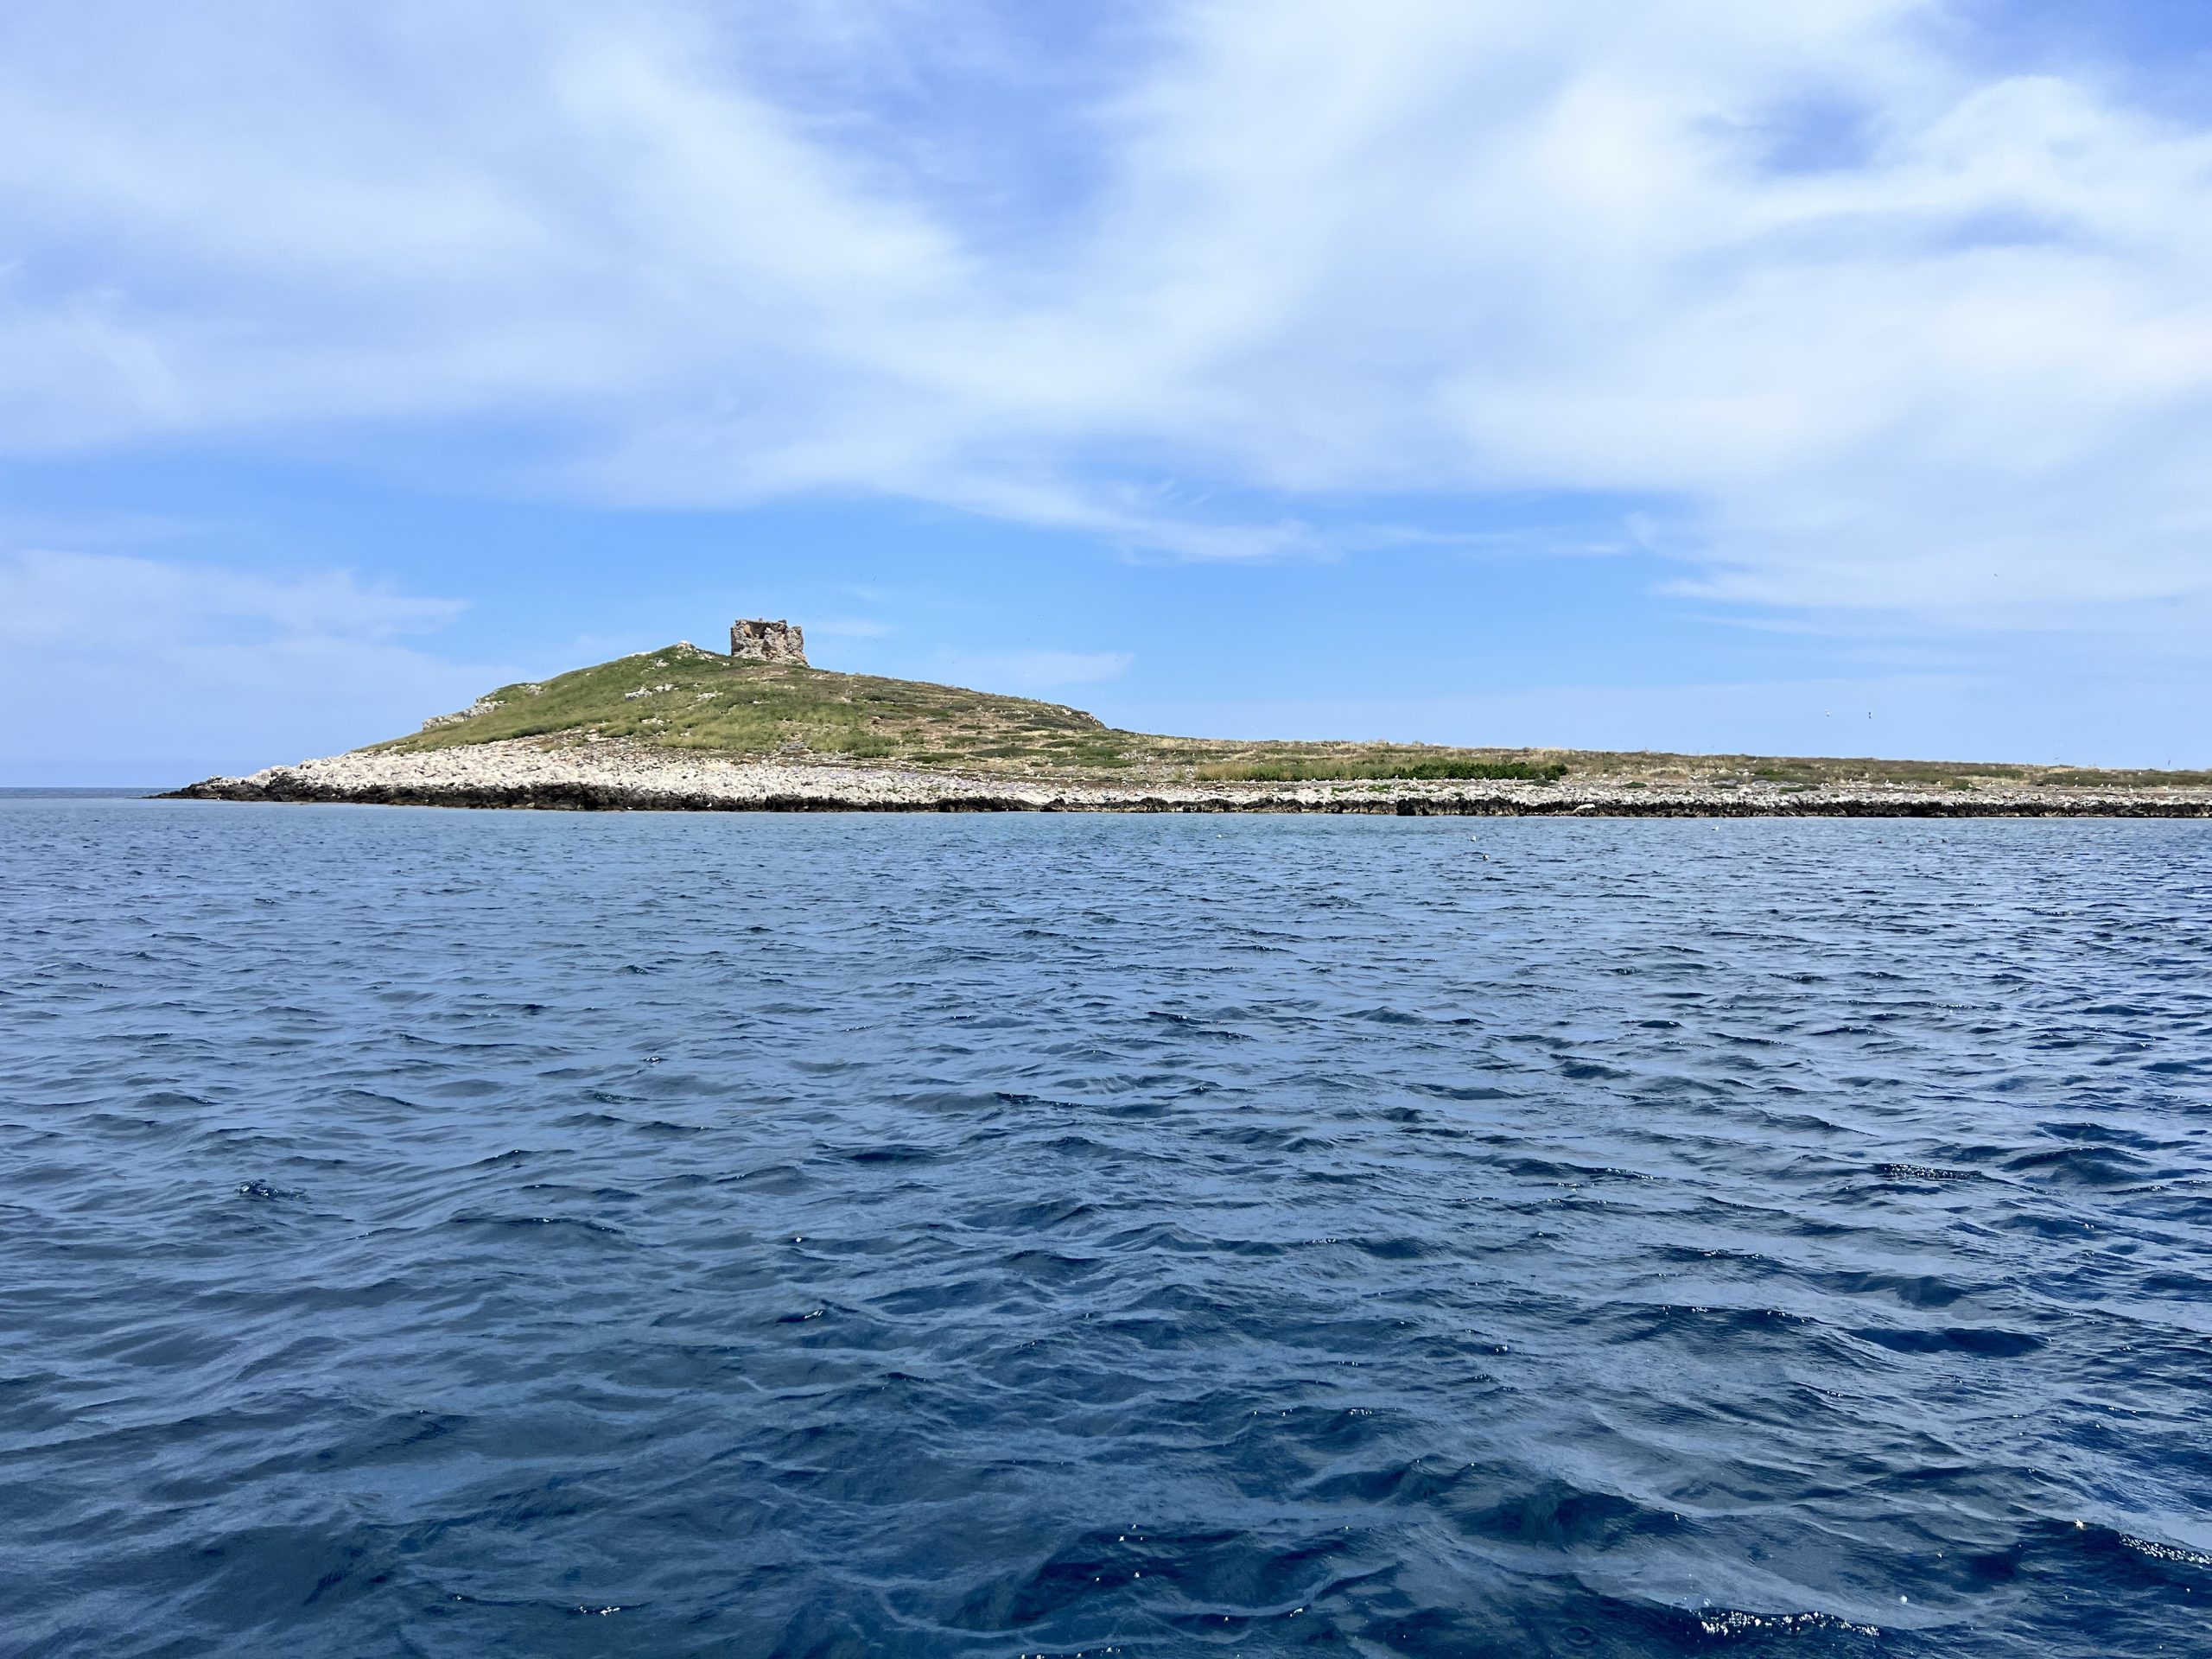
x,y
752,640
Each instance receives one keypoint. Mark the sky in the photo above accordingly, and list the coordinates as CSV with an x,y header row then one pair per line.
x,y
1825,378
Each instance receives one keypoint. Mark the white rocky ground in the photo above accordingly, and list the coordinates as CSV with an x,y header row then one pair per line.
x,y
619,776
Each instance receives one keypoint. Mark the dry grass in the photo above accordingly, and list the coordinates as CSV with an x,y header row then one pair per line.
x,y
681,698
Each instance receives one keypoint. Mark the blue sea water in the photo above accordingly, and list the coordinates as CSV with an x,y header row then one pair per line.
x,y
497,1233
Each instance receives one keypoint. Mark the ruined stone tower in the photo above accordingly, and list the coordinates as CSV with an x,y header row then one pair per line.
x,y
755,641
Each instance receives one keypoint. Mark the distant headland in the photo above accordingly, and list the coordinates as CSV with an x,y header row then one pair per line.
x,y
759,728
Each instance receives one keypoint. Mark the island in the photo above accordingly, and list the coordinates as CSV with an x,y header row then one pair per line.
x,y
759,728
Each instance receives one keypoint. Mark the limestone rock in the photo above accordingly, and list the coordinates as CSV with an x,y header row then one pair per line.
x,y
482,706
617,774
752,640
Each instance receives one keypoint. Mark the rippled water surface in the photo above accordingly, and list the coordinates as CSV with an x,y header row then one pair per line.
x,y
494,1233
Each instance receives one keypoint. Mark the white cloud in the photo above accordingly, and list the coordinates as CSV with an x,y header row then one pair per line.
x,y
126,661
1952,358
137,604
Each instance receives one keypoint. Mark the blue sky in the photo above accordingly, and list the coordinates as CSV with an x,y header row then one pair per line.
x,y
1834,377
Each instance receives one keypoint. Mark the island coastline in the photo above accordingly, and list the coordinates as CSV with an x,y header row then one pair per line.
x,y
619,776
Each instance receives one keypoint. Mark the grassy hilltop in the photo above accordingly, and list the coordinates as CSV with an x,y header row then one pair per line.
x,y
683,698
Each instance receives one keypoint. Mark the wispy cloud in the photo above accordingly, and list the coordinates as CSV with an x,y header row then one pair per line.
x,y
128,657
1879,324
48,598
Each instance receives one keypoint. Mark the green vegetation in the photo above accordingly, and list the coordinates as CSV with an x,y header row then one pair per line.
x,y
1394,764
683,698
2107,779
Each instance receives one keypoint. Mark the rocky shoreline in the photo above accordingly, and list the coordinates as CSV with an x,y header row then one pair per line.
x,y
619,777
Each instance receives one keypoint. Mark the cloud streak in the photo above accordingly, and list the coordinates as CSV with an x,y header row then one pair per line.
x,y
1847,318
133,658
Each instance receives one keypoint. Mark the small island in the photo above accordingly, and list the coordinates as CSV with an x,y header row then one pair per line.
x,y
760,729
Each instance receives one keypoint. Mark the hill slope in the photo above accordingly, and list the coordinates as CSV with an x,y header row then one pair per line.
x,y
683,700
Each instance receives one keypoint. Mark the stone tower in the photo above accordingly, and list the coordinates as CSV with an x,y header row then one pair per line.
x,y
755,641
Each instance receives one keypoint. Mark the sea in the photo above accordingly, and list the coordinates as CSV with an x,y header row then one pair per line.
x,y
499,1233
